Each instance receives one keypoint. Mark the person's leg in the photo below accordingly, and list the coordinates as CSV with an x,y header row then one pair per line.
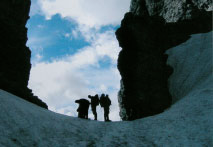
x,y
105,114
86,116
105,117
94,112
80,114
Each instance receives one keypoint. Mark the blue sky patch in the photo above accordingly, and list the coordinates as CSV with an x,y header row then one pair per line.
x,y
53,38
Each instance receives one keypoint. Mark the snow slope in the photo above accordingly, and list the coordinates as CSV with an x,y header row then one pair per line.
x,y
188,122
193,66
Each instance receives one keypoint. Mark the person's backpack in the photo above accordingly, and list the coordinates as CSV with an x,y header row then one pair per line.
x,y
102,101
105,101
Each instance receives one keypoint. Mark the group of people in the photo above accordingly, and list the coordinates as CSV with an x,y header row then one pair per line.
x,y
84,104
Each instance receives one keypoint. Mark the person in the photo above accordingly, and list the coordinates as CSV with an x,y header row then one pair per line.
x,y
105,102
83,108
94,104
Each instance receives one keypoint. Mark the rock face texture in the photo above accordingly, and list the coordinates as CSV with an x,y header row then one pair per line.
x,y
146,32
171,10
15,56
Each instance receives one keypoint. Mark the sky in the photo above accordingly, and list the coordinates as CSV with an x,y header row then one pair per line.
x,y
75,51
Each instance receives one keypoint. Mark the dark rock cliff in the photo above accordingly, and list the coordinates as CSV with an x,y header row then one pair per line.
x,y
14,55
146,32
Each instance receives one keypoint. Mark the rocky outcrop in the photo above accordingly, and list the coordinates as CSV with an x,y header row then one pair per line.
x,y
146,32
171,10
15,56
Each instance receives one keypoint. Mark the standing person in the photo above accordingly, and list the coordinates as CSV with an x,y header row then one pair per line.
x,y
105,102
94,104
83,108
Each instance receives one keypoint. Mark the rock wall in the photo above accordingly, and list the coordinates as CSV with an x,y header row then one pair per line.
x,y
15,56
146,32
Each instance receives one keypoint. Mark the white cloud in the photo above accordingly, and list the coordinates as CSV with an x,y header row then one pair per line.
x,y
75,33
38,57
67,35
60,82
102,45
40,26
103,88
92,13
35,8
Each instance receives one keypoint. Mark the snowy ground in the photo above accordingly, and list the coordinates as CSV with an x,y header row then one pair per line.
x,y
189,122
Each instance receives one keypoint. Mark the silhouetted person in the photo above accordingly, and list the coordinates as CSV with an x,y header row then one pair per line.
x,y
83,108
94,104
105,102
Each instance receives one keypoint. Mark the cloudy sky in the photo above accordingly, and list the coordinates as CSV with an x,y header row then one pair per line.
x,y
74,51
